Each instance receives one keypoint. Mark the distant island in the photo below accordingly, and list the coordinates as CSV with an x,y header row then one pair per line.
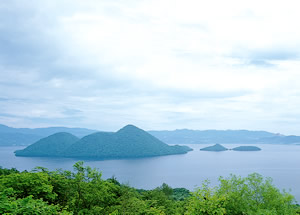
x,y
219,148
128,142
215,148
246,148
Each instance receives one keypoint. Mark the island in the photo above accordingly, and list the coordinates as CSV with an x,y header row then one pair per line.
x,y
214,148
246,148
128,142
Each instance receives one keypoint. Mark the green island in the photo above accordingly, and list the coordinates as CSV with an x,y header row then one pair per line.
x,y
246,148
215,148
128,142
84,191
220,148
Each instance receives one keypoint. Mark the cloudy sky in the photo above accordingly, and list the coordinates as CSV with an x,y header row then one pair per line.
x,y
158,64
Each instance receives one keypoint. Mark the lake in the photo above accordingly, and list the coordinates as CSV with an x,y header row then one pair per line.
x,y
280,162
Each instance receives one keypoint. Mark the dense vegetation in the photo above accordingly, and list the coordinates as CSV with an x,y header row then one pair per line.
x,y
220,148
128,142
214,148
246,148
85,192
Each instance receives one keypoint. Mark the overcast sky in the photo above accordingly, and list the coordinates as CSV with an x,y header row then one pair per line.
x,y
157,64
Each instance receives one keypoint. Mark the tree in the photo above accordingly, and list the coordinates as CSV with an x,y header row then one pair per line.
x,y
206,200
25,184
254,195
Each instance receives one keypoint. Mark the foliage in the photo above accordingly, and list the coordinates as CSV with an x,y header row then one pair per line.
x,y
83,191
4,171
26,184
254,195
206,200
236,195
27,205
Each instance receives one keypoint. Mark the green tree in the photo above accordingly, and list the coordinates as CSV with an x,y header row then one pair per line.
x,y
4,171
254,195
27,205
25,184
206,201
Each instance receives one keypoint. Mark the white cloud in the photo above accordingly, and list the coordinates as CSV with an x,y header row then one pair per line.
x,y
158,64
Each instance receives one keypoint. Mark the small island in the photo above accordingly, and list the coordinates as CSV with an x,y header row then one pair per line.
x,y
246,148
220,148
214,148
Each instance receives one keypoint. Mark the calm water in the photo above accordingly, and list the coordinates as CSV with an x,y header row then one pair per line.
x,y
281,162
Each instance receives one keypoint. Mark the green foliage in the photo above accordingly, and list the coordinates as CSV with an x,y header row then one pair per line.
x,y
206,200
4,171
180,194
25,184
297,209
254,195
83,191
27,205
236,195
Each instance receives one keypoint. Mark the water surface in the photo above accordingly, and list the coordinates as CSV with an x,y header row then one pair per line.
x,y
281,162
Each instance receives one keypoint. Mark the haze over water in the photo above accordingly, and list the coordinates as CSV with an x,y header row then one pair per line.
x,y
280,162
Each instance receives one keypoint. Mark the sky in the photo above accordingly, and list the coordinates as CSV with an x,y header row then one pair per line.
x,y
157,64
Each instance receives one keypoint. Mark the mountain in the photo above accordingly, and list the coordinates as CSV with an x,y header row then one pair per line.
x,y
214,148
128,142
186,136
246,148
52,146
280,139
25,136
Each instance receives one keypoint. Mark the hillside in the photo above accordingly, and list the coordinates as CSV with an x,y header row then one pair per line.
x,y
25,136
52,146
186,136
214,148
128,142
281,139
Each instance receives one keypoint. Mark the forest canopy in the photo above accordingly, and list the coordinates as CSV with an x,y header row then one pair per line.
x,y
84,191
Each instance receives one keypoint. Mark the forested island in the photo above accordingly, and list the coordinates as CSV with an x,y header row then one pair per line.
x,y
246,148
84,191
128,142
220,148
214,148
